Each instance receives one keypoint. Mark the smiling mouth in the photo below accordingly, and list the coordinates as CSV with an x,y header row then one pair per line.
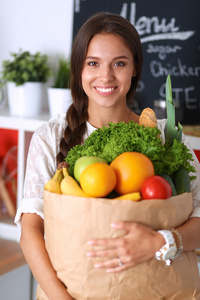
x,y
105,90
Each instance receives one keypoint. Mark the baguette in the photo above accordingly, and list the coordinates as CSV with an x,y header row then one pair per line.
x,y
148,118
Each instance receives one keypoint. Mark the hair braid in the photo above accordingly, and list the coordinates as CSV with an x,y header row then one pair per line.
x,y
73,134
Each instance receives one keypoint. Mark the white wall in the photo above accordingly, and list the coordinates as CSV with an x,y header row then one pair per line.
x,y
36,25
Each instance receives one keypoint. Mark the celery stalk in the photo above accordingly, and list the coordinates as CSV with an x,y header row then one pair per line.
x,y
171,131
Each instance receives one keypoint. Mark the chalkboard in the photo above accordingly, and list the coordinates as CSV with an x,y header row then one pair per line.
x,y
170,36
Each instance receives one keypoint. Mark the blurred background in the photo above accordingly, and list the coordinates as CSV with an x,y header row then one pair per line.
x,y
170,36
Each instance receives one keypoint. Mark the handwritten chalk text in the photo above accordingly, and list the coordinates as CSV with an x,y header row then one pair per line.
x,y
154,27
158,69
162,50
179,94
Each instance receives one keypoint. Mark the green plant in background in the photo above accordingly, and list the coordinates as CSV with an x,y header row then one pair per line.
x,y
62,77
25,67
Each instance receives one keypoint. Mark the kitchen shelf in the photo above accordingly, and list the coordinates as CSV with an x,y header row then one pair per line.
x,y
25,128
19,123
11,256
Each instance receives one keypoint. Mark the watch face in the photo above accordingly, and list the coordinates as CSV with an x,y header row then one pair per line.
x,y
169,253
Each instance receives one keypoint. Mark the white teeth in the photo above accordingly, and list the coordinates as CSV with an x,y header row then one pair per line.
x,y
103,90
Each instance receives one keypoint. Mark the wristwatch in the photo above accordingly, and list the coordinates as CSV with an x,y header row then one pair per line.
x,y
168,252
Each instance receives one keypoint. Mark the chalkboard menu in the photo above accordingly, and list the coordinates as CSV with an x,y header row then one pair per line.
x,y
170,36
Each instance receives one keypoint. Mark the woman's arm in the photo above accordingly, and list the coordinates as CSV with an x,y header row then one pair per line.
x,y
33,247
139,244
190,234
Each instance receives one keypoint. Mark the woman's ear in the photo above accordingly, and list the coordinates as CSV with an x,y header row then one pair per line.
x,y
134,73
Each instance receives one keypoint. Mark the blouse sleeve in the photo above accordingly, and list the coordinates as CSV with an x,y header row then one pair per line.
x,y
41,165
195,186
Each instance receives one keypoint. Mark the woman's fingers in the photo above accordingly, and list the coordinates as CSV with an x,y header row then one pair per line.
x,y
123,225
103,253
114,242
114,265
103,242
138,244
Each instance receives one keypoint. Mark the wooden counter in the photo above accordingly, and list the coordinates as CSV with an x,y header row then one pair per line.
x,y
192,130
11,256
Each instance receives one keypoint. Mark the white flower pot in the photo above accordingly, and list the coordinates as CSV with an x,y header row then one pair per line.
x,y
25,100
1,96
59,100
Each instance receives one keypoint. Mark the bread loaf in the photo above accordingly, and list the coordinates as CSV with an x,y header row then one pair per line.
x,y
148,118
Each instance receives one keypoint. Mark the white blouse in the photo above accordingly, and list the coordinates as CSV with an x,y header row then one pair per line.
x,y
41,165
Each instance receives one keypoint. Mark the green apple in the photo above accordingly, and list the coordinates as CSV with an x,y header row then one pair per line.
x,y
84,162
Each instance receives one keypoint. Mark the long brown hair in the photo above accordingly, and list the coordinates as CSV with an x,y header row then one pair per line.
x,y
77,114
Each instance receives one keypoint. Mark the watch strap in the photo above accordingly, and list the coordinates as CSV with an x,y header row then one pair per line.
x,y
169,248
168,236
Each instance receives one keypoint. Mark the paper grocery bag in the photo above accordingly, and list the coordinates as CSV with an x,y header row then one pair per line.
x,y
71,221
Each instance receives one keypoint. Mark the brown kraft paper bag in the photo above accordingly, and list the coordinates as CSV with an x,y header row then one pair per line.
x,y
71,221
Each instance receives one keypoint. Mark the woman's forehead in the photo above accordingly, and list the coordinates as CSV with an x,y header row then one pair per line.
x,y
103,43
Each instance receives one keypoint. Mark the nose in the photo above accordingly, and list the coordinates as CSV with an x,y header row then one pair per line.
x,y
106,73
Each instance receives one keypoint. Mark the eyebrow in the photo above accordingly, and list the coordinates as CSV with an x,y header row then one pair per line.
x,y
98,58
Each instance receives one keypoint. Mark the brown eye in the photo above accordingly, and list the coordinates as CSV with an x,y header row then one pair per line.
x,y
92,63
119,64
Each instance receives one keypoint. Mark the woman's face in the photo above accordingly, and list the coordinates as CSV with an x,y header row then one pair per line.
x,y
108,71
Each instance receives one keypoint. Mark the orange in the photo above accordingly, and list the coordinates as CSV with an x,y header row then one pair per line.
x,y
98,180
131,169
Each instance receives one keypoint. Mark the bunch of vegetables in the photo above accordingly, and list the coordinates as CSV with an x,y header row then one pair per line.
x,y
170,161
111,141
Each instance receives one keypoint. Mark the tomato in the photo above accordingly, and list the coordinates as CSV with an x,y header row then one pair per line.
x,y
156,187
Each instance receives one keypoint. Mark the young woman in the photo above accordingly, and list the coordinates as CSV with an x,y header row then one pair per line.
x,y
106,65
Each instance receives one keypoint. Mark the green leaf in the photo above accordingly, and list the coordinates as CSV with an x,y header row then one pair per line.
x,y
62,77
171,131
24,67
168,89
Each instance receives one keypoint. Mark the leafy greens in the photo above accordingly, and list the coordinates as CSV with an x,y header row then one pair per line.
x,y
109,142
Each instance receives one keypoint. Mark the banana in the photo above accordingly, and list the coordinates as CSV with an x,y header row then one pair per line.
x,y
53,185
65,171
69,186
130,196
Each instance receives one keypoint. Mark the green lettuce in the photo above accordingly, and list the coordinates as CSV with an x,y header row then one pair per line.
x,y
177,156
109,142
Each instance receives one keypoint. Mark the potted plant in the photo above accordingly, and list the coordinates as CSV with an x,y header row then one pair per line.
x,y
25,75
59,95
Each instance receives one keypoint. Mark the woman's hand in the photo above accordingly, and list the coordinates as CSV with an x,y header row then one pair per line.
x,y
139,244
